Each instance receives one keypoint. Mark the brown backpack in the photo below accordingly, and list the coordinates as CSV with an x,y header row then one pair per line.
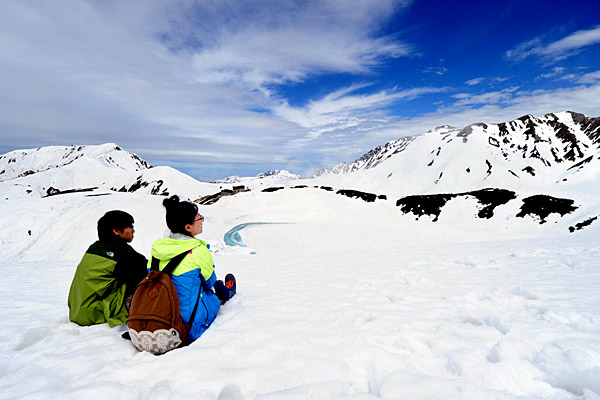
x,y
155,324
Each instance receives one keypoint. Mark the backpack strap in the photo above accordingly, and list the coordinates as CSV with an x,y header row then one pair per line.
x,y
175,261
168,269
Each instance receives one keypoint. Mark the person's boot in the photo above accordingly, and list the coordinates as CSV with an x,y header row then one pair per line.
x,y
230,283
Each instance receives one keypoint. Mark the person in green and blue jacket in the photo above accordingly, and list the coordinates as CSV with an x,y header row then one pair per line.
x,y
108,274
194,278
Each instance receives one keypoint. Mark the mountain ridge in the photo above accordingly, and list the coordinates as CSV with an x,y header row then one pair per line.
x,y
54,170
590,126
24,162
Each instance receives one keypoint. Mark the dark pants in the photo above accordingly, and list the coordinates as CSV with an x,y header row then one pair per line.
x,y
222,292
127,301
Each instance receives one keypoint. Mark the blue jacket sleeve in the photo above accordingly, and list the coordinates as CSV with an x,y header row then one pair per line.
x,y
210,282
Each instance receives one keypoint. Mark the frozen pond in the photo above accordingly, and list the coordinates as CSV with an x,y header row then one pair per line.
x,y
233,237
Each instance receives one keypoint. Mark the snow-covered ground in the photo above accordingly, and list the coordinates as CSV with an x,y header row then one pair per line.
x,y
348,300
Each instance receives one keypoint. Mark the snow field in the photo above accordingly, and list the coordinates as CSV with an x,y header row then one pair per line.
x,y
349,300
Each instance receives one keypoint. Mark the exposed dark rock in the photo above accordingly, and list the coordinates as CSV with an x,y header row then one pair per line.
x,y
29,172
98,194
582,224
530,170
213,198
493,142
368,197
557,159
208,200
382,197
328,188
272,189
543,205
591,126
581,163
489,170
137,185
490,199
299,187
530,131
421,205
53,191
156,189
432,204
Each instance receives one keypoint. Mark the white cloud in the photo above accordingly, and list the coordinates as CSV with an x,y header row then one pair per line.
x,y
591,78
474,81
263,42
557,50
555,71
495,97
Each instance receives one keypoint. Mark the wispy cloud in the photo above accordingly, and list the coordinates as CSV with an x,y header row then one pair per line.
x,y
474,81
557,50
345,109
554,73
265,42
495,97
439,69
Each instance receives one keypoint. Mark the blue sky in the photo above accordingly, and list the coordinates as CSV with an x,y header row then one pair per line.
x,y
230,87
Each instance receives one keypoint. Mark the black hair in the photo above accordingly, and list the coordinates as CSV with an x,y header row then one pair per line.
x,y
179,214
115,219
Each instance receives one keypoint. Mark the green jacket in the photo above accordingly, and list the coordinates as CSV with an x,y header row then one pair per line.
x,y
107,273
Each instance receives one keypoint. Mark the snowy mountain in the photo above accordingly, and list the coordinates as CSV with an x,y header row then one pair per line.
x,y
540,151
53,170
20,163
377,155
271,174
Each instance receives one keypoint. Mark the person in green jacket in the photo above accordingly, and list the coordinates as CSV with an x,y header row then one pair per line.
x,y
108,274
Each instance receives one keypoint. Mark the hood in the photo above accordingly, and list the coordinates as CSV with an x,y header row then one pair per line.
x,y
167,248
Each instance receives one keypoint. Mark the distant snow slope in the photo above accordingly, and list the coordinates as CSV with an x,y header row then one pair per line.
x,y
53,170
269,175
